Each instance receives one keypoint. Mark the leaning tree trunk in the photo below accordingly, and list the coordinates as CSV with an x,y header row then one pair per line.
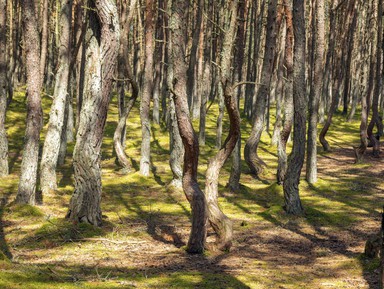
x,y
218,220
103,43
316,89
296,159
26,193
124,72
254,162
3,90
145,160
56,117
191,187
288,100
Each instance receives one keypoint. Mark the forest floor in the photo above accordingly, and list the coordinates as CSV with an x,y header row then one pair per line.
x,y
146,223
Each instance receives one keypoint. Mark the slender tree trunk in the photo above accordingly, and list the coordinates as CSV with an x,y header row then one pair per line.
x,y
28,175
57,114
103,44
3,90
296,159
191,187
288,101
316,89
44,39
145,160
254,162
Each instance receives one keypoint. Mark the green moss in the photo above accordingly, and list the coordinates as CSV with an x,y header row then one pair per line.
x,y
23,211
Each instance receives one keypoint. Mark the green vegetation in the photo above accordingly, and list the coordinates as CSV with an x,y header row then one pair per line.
x,y
146,224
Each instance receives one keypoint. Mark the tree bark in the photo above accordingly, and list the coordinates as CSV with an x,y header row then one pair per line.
x,y
296,159
315,94
4,170
103,37
56,117
254,162
145,160
44,39
191,187
28,174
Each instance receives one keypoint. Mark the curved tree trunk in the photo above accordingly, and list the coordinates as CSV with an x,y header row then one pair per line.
x,y
316,89
26,193
103,38
255,164
191,187
288,100
4,170
296,159
218,220
56,117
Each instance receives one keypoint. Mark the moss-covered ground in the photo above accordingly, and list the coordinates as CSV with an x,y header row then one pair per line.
x,y
146,223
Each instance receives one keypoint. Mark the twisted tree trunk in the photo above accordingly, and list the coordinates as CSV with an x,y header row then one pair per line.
x,y
103,37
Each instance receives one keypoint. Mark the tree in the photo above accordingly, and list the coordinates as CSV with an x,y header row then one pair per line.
x,y
253,161
316,90
3,90
103,34
145,161
26,193
296,158
56,117
191,187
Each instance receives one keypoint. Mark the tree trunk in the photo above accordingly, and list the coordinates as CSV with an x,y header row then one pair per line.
x,y
145,160
56,117
26,193
44,39
3,89
315,94
254,162
288,100
296,159
191,146
103,43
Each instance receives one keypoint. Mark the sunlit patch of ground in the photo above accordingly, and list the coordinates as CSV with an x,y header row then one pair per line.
x,y
146,223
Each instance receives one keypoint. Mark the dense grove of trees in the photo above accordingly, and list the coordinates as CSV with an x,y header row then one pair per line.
x,y
300,60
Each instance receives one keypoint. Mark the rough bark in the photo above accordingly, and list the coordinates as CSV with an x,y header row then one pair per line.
x,y
26,193
315,94
56,117
191,187
296,158
4,170
145,160
288,100
254,162
103,44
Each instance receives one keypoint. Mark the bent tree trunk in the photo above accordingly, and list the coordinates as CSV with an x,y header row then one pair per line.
x,y
124,72
191,187
26,193
254,162
103,44
56,117
218,220
3,91
296,159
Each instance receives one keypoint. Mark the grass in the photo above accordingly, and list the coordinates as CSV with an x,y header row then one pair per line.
x,y
146,223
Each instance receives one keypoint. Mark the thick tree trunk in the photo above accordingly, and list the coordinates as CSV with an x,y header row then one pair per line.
x,y
103,38
28,175
191,187
288,100
145,160
4,170
57,114
316,89
296,159
254,162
